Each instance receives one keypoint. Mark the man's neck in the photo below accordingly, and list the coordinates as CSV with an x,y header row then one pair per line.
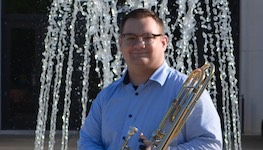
x,y
140,76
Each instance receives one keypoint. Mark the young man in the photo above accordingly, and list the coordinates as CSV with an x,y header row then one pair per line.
x,y
142,97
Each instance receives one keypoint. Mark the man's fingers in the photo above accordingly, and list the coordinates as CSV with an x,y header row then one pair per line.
x,y
144,140
141,140
142,147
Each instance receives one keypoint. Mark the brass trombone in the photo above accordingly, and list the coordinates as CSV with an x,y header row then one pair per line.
x,y
180,109
182,106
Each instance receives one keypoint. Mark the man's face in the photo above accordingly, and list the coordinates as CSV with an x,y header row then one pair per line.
x,y
135,46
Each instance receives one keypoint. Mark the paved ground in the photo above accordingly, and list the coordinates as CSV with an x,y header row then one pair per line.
x,y
252,142
26,142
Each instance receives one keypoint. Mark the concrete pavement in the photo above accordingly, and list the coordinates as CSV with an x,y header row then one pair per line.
x,y
26,142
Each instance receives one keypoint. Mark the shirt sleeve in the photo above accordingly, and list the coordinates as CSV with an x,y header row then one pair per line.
x,y
203,128
90,132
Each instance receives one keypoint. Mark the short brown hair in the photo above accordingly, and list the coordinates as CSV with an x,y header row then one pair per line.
x,y
141,13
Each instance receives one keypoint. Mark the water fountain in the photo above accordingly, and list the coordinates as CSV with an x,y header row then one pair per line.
x,y
198,31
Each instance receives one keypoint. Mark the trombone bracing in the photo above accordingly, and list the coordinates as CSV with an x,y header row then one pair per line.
x,y
181,107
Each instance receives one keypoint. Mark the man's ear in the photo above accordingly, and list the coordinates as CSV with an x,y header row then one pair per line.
x,y
165,41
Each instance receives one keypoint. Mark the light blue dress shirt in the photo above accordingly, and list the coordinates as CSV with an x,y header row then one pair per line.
x,y
120,106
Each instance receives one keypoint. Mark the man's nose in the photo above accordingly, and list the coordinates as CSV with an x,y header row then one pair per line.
x,y
140,42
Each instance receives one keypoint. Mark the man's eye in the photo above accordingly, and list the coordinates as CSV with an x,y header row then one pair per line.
x,y
130,37
147,37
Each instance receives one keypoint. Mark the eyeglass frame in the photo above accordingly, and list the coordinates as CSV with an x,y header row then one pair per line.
x,y
140,38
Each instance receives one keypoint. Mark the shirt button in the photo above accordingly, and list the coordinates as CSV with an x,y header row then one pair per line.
x,y
130,115
136,94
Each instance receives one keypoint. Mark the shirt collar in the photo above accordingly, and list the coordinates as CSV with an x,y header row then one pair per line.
x,y
126,79
159,75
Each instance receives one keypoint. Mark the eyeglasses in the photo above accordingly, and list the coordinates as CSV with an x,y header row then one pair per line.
x,y
132,39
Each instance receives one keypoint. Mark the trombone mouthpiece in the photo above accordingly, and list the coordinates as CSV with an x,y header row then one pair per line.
x,y
132,130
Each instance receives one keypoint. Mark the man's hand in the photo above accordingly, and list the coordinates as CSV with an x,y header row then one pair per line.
x,y
147,145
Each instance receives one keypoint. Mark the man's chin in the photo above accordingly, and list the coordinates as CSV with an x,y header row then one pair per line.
x,y
142,62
